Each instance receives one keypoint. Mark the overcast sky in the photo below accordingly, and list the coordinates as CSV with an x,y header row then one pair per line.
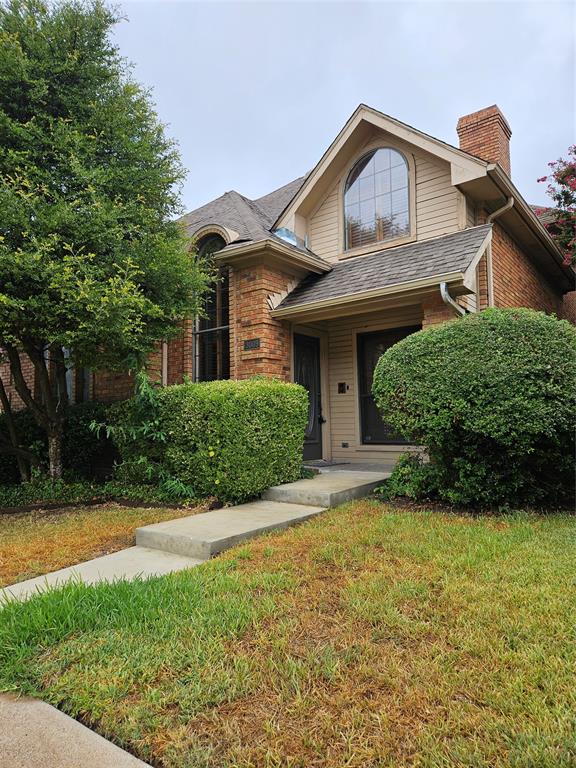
x,y
255,92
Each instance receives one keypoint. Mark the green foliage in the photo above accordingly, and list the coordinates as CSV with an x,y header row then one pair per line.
x,y
229,439
491,396
42,490
90,257
85,454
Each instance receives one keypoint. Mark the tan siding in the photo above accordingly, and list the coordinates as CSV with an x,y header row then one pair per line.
x,y
344,417
323,229
436,199
470,213
437,209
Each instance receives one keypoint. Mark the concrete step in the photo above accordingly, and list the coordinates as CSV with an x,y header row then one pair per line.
x,y
202,536
126,564
327,489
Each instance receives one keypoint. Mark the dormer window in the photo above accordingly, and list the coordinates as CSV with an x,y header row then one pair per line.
x,y
376,199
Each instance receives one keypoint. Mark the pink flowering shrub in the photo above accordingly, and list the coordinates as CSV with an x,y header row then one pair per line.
x,y
562,189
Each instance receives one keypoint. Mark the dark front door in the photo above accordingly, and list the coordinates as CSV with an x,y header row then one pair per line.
x,y
371,346
307,373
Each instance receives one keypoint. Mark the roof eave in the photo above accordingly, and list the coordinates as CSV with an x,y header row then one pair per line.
x,y
412,286
300,259
508,189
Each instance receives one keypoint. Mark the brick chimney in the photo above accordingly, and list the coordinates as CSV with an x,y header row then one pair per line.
x,y
486,134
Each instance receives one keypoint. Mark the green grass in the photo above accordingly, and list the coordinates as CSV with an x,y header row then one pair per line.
x,y
367,637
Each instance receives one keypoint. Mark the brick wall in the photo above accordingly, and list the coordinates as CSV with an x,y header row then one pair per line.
x,y
28,372
568,311
435,311
250,319
486,134
517,281
108,387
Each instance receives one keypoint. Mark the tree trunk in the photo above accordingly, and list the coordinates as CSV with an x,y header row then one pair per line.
x,y
23,465
55,451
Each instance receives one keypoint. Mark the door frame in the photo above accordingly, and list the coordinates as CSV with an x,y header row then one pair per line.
x,y
306,330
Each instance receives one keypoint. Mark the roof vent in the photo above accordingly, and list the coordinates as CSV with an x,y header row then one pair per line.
x,y
289,237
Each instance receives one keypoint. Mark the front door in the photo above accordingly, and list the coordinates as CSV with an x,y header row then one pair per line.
x,y
307,373
371,346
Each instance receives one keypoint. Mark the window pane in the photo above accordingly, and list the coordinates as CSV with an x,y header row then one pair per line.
x,y
400,200
366,186
396,159
382,160
368,211
400,224
382,182
399,176
384,206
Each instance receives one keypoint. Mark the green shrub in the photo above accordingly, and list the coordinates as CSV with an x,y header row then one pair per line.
x,y
85,455
42,490
492,398
229,439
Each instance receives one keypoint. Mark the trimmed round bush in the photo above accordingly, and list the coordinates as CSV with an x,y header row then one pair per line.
x,y
229,439
492,398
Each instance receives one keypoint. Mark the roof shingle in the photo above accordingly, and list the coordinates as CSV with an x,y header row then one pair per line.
x,y
403,264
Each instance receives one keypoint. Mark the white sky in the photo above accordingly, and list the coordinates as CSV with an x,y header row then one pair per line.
x,y
255,92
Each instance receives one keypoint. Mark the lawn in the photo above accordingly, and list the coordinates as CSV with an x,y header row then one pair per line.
x,y
370,637
35,543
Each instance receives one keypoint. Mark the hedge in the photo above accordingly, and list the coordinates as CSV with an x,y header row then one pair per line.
x,y
85,455
492,398
228,439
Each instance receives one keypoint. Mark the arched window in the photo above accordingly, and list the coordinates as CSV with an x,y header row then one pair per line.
x,y
212,330
376,199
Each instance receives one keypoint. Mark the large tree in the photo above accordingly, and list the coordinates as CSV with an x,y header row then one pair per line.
x,y
93,267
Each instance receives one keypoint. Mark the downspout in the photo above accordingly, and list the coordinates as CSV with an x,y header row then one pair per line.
x,y
447,299
489,274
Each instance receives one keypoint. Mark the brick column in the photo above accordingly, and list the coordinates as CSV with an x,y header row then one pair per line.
x,y
259,344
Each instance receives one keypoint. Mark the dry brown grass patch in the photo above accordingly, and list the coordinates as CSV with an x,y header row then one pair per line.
x,y
42,541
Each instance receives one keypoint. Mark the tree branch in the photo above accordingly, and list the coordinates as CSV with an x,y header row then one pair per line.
x,y
20,453
22,387
57,354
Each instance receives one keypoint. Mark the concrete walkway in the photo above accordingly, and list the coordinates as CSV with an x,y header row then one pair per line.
x,y
188,541
35,735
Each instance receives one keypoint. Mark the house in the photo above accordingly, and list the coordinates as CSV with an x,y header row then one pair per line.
x,y
391,232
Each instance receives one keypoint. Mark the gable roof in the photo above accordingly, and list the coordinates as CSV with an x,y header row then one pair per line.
x,y
439,257
463,165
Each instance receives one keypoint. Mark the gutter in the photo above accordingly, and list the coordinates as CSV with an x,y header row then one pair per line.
x,y
508,205
447,299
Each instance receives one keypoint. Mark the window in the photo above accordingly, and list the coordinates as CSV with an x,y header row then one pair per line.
x,y
376,199
212,330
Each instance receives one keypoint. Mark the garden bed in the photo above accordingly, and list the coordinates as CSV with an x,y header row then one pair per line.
x,y
369,636
45,540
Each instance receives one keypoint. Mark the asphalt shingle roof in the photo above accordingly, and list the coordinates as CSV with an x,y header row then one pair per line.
x,y
252,219
427,258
